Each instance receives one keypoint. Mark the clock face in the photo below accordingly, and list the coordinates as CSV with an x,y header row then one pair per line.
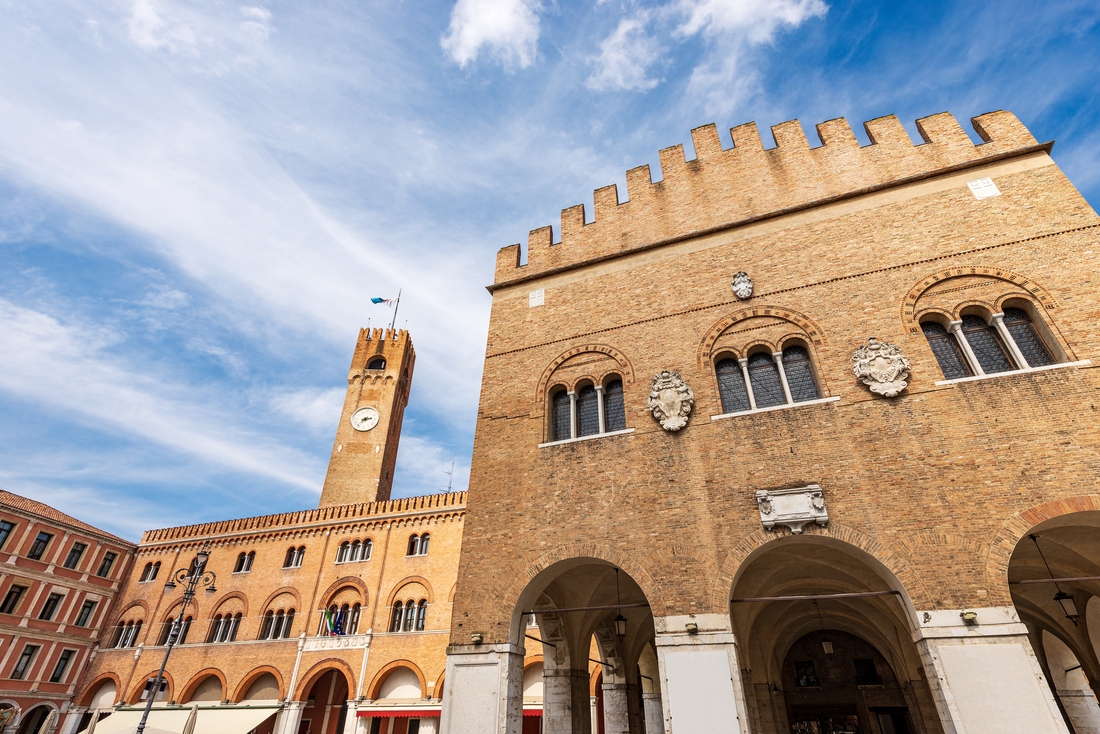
x,y
364,419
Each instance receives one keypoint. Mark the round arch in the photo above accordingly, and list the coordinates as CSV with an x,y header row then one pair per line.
x,y
405,582
216,606
437,689
279,592
620,358
342,583
319,669
810,330
92,689
139,686
909,314
252,676
380,677
136,604
198,679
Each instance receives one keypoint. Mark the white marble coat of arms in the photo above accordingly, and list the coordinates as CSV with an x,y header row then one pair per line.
x,y
671,400
742,286
882,367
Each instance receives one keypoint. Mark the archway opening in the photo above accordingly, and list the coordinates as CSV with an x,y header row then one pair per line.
x,y
1054,581
825,642
585,615
35,721
326,708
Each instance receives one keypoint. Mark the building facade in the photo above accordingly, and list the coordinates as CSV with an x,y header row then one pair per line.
x,y
58,580
326,621
798,439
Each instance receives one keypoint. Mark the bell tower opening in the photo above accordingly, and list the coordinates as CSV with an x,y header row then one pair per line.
x,y
364,453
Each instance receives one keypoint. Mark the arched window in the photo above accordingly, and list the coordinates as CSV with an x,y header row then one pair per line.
x,y
561,423
421,614
299,556
424,540
248,561
764,378
353,555
265,630
288,562
241,565
378,363
946,350
146,573
800,374
342,553
277,625
1027,339
414,545
215,629
368,547
353,619
398,616
288,622
986,344
226,630
155,570
731,386
614,409
588,411
410,615
127,633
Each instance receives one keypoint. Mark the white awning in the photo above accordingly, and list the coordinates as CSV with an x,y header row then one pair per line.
x,y
218,720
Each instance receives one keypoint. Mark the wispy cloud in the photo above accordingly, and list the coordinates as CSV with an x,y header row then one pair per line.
x,y
627,57
507,29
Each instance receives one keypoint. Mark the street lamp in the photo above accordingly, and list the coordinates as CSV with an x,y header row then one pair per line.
x,y
1064,600
192,578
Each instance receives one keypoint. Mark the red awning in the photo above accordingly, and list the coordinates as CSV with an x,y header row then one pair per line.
x,y
381,713
532,712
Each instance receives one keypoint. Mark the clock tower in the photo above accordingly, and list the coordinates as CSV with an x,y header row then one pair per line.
x,y
360,468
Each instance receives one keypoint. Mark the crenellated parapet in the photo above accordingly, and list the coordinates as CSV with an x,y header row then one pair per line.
x,y
722,188
388,510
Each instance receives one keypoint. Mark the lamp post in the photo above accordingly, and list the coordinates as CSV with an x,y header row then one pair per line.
x,y
1064,600
191,578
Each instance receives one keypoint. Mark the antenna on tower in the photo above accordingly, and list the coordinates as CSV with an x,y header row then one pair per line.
x,y
450,477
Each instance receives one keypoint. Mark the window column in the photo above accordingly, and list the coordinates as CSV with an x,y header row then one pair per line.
x,y
572,414
955,327
744,362
600,410
999,324
778,357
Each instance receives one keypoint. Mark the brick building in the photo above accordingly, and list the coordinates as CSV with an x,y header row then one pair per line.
x,y
321,621
57,583
694,464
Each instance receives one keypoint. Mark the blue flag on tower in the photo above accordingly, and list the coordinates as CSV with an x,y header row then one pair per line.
x,y
387,301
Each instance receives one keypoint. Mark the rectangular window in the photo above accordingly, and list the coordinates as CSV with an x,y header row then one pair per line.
x,y
804,674
50,607
105,567
73,559
39,546
866,674
149,687
62,665
11,601
24,662
5,530
85,614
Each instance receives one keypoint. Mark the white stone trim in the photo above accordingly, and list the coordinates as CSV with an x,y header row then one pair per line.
x,y
819,401
1060,365
587,438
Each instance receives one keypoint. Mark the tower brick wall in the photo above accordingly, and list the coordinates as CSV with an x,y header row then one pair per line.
x,y
362,462
843,242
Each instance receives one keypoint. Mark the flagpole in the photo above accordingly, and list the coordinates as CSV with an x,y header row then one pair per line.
x,y
395,307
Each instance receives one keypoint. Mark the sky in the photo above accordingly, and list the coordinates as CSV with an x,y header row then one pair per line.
x,y
198,198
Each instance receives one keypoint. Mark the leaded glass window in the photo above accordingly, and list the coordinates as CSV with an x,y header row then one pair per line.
x,y
986,345
614,411
1027,339
731,386
560,424
800,374
588,411
946,350
764,376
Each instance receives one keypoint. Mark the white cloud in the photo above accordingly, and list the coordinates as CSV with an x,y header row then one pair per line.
x,y
754,21
508,29
626,57
423,466
213,30
88,384
315,408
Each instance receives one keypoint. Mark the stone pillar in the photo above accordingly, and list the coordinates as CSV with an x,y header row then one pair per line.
x,y
654,713
484,691
1081,709
354,724
616,709
565,707
700,678
72,720
594,714
985,676
998,320
955,327
288,720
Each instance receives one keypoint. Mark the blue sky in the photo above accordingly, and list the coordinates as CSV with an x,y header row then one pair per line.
x,y
199,197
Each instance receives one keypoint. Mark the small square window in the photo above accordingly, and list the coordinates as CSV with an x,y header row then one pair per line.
x,y
805,675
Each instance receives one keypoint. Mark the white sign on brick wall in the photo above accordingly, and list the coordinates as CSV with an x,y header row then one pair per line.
x,y
983,188
536,298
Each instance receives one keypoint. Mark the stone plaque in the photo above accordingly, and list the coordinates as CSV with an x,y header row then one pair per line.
x,y
792,507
